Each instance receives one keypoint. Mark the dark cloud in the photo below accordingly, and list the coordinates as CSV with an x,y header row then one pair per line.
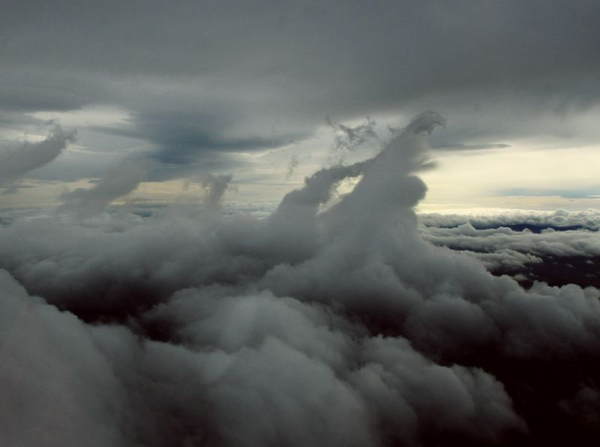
x,y
203,77
183,137
317,325
58,387
326,322
27,92
267,37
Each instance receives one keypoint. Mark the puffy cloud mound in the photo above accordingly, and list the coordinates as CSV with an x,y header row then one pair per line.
x,y
322,324
57,386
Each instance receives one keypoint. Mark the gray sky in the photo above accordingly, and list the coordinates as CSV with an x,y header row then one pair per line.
x,y
310,317
243,87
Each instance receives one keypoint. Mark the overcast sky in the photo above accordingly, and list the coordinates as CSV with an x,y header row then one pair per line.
x,y
267,91
313,278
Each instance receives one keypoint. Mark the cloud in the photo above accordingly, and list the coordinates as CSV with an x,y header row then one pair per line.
x,y
119,181
460,146
555,247
351,137
58,387
321,324
406,36
223,79
216,186
292,165
535,221
183,136
549,242
18,159
260,375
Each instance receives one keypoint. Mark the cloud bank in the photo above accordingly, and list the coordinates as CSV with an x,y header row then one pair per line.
x,y
322,324
559,247
224,77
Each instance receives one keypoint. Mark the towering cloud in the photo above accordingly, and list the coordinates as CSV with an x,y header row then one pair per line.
x,y
216,186
323,324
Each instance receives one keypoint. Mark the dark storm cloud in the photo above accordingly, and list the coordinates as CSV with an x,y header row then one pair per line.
x,y
183,137
288,65
335,326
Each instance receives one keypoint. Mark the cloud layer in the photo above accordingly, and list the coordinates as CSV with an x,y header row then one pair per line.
x,y
322,324
216,78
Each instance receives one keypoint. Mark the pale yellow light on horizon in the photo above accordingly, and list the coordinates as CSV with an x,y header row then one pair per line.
x,y
485,179
462,180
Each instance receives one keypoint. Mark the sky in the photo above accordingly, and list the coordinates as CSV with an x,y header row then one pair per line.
x,y
265,90
292,224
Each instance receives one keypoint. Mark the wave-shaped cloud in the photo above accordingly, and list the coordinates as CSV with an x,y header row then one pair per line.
x,y
314,326
17,159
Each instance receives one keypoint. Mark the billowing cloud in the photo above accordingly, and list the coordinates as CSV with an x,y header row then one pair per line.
x,y
58,387
321,324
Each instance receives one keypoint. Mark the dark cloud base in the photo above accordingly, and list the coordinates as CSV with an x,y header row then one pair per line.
x,y
351,325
